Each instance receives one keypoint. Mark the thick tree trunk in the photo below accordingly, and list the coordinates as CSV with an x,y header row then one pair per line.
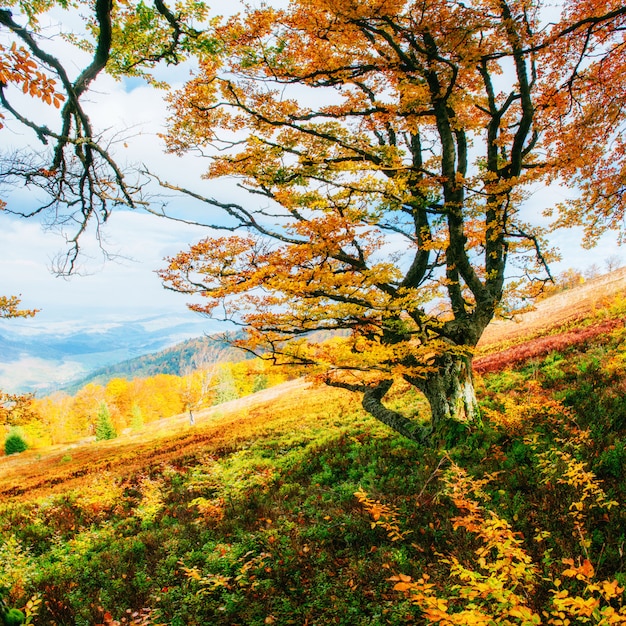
x,y
450,393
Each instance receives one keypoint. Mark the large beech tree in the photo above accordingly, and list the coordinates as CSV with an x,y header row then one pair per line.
x,y
387,147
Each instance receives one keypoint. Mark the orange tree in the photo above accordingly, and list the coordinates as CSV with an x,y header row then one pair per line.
x,y
387,147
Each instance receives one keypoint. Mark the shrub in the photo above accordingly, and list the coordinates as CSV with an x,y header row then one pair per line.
x,y
14,443
498,583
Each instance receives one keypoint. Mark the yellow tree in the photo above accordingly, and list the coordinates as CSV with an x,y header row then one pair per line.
x,y
387,146
54,412
81,418
158,396
119,397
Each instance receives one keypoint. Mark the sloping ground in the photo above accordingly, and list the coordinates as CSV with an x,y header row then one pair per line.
x,y
294,507
556,311
220,428
544,345
575,316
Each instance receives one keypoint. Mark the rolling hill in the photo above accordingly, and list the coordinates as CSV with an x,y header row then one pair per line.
x,y
178,360
292,506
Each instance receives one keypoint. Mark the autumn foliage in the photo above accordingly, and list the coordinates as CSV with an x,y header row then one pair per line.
x,y
387,148
499,586
19,68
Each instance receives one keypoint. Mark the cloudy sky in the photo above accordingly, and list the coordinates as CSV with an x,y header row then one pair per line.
x,y
129,288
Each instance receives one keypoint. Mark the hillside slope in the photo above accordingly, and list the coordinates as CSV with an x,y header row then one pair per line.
x,y
592,309
504,342
292,506
558,310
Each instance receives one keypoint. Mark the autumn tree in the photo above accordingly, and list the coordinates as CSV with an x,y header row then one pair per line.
x,y
84,406
15,408
388,148
197,377
119,399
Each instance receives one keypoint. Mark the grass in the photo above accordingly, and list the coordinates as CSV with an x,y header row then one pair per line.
x,y
251,516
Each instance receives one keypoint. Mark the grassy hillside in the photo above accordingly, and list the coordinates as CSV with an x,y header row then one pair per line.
x,y
294,507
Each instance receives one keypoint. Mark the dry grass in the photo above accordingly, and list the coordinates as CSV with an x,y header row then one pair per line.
x,y
557,311
218,430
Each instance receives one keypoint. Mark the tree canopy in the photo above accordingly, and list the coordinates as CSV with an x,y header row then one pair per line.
x,y
388,148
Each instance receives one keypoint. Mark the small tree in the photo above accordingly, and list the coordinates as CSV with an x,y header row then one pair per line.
x,y
14,443
225,389
613,262
104,426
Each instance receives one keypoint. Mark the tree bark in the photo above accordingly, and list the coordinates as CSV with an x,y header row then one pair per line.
x,y
450,393
372,403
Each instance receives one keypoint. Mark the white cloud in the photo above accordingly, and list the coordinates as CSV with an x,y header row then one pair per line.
x,y
38,373
122,288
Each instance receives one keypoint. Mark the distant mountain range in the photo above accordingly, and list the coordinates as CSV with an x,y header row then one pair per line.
x,y
178,360
40,358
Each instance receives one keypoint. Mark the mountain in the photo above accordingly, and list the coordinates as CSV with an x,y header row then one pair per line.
x,y
38,357
178,360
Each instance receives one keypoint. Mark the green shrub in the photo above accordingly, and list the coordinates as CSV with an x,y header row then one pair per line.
x,y
14,443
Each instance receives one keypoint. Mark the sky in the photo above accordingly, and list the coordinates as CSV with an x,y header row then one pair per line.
x,y
128,287
136,241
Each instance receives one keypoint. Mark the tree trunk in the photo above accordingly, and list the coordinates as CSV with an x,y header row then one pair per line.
x,y
450,393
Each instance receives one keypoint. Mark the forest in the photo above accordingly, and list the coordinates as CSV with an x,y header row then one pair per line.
x,y
383,183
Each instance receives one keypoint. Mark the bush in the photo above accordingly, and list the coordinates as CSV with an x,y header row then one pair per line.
x,y
14,443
